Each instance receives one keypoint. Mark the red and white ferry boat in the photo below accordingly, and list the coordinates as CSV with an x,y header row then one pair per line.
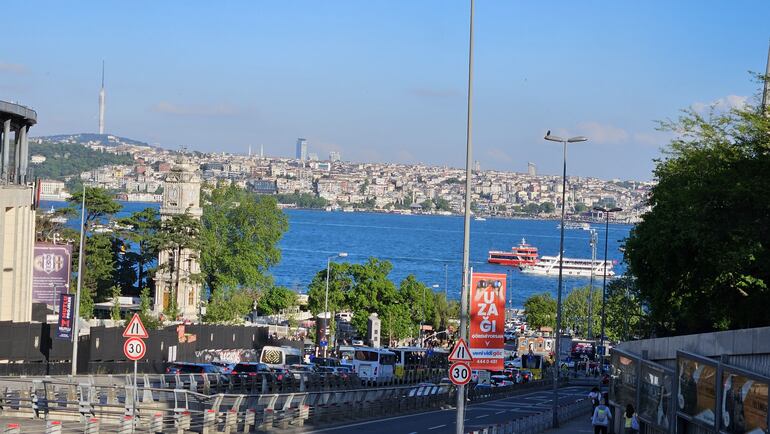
x,y
519,256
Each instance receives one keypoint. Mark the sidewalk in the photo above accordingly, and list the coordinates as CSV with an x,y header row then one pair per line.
x,y
579,425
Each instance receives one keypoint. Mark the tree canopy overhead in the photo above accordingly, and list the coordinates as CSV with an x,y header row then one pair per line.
x,y
700,256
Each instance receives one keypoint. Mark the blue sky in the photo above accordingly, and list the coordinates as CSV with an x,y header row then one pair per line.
x,y
386,80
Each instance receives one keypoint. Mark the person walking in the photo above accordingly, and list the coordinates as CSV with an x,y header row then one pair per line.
x,y
601,418
595,396
630,420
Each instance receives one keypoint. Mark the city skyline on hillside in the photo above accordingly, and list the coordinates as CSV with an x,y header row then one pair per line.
x,y
351,84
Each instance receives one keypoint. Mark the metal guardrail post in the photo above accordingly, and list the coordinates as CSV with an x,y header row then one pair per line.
x,y
126,425
53,427
156,423
249,420
231,421
209,422
92,426
12,428
182,420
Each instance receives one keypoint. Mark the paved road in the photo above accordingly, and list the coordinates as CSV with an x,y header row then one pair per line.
x,y
476,415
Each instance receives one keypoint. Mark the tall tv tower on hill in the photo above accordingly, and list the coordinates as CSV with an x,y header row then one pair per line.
x,y
766,90
101,103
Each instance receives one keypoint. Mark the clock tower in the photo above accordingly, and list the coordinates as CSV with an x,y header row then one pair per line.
x,y
181,194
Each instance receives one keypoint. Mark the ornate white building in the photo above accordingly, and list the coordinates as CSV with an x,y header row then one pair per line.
x,y
181,194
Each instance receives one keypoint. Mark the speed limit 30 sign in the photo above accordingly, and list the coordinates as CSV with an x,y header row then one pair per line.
x,y
134,348
459,373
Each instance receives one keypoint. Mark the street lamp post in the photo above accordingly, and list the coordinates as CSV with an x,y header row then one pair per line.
x,y
557,332
326,298
604,281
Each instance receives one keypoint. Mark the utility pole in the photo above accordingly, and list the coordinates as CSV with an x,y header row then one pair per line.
x,y
460,426
76,322
594,236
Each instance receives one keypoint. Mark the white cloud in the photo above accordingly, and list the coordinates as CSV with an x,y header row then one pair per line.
x,y
603,133
726,103
14,68
224,110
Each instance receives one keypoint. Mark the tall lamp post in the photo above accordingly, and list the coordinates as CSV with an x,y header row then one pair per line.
x,y
326,298
604,281
557,331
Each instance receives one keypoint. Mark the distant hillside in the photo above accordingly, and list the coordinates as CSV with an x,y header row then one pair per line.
x,y
85,138
66,159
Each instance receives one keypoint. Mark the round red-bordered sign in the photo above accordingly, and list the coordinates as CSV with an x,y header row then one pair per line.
x,y
134,348
459,373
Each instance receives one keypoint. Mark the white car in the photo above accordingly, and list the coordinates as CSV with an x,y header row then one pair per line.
x,y
515,363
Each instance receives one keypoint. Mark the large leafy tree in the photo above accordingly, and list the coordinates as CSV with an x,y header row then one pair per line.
x,y
276,299
540,310
700,256
141,229
626,316
240,232
576,311
97,274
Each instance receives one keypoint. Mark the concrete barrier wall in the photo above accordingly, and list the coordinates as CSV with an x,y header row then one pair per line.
x,y
747,348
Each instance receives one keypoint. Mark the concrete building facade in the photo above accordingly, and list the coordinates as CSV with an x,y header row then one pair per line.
x,y
17,214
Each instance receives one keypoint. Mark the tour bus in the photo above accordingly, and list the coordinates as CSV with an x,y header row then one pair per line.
x,y
280,357
370,364
417,359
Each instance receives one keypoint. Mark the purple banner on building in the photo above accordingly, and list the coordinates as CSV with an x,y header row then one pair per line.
x,y
50,272
66,316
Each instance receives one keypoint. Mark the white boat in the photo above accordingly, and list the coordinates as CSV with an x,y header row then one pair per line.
x,y
61,219
480,219
573,267
575,225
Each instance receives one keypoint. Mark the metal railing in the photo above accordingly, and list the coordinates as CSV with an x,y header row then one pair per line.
x,y
539,422
91,404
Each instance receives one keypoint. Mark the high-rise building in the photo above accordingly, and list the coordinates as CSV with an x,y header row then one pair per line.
x,y
334,156
101,103
177,267
531,169
17,214
301,153
477,166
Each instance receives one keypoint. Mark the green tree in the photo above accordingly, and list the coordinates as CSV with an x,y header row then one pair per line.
x,y
141,229
626,316
149,320
276,299
427,205
340,281
115,311
575,310
99,205
227,306
71,159
540,310
546,208
240,232
701,256
99,268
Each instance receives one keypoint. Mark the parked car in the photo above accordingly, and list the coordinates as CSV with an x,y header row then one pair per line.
x,y
500,381
192,368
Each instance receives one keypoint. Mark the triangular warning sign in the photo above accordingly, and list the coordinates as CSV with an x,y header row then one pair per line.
x,y
460,353
135,328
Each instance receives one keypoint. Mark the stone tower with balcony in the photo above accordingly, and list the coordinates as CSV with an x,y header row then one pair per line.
x,y
181,194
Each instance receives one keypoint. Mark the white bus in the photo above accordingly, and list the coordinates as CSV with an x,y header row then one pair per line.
x,y
370,364
280,357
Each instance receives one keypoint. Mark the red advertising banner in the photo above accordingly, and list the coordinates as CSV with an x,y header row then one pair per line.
x,y
487,325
